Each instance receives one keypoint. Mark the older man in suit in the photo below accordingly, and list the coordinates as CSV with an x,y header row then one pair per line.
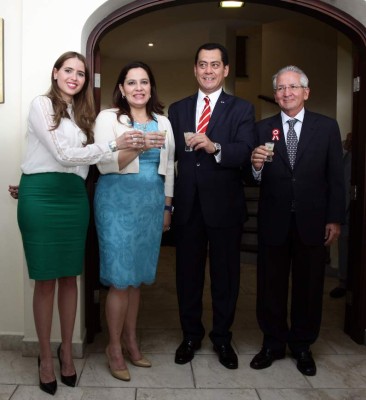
x,y
301,207
209,202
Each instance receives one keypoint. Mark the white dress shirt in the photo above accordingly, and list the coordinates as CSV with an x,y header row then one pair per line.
x,y
200,106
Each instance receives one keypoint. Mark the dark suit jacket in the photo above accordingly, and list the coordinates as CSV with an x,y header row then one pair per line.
x,y
315,186
219,186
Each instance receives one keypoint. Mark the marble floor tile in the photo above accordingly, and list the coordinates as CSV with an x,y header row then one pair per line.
x,y
166,341
340,371
77,393
163,374
196,394
15,369
6,391
248,341
209,373
341,342
312,394
160,340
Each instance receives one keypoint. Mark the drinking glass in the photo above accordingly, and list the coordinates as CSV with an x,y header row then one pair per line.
x,y
269,146
187,136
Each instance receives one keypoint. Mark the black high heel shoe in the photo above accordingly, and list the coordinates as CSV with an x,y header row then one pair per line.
x,y
49,387
66,380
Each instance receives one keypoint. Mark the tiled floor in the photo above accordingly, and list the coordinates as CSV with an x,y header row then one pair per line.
x,y
341,362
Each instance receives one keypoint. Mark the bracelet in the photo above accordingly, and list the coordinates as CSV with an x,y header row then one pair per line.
x,y
113,146
169,208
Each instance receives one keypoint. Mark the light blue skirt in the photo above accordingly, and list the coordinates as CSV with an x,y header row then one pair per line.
x,y
129,212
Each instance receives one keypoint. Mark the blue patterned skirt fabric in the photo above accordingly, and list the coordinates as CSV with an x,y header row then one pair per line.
x,y
129,212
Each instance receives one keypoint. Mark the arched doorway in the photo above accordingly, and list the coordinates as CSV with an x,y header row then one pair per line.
x,y
355,319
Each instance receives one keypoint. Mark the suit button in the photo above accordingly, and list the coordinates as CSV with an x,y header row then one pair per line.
x,y
293,179
198,164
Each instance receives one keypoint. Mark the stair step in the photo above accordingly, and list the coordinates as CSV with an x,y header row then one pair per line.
x,y
250,229
250,248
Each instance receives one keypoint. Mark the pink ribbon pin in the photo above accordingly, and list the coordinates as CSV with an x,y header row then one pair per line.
x,y
275,134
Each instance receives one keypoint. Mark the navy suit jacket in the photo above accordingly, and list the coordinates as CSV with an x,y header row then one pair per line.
x,y
315,186
218,185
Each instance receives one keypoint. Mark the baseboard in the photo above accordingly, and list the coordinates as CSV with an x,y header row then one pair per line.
x,y
30,348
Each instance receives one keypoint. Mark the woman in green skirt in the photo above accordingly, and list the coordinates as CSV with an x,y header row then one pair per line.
x,y
53,209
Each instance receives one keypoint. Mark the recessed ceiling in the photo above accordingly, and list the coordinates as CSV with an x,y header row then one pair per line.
x,y
177,31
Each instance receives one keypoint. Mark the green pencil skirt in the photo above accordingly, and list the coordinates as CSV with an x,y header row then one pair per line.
x,y
53,217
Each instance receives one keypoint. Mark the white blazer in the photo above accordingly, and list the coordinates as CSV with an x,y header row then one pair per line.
x,y
108,128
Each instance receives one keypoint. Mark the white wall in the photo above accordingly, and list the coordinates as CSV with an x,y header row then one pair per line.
x,y
36,33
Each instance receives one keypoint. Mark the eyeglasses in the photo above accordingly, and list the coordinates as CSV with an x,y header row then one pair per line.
x,y
291,88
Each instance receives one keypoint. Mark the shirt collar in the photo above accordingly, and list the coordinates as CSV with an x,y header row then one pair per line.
x,y
299,116
213,96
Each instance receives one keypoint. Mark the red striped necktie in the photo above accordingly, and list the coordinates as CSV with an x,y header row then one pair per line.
x,y
205,116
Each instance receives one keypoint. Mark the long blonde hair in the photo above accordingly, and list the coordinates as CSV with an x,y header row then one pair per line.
x,y
83,102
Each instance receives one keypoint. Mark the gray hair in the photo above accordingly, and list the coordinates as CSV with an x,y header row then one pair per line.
x,y
304,81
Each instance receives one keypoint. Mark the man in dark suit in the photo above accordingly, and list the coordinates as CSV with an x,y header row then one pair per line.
x,y
209,203
301,207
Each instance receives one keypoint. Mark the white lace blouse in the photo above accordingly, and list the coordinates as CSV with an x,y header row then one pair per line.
x,y
59,150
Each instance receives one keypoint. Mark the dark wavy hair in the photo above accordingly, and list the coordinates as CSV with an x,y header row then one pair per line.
x,y
120,102
83,102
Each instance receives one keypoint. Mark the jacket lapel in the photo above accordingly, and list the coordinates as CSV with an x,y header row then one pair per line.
x,y
280,148
307,132
191,112
222,103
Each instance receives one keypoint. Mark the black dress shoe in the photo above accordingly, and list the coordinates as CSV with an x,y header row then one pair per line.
x,y
48,387
305,363
69,380
337,292
227,356
265,358
185,351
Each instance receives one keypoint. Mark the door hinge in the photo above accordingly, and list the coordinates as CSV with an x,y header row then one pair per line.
x,y
97,80
356,84
353,192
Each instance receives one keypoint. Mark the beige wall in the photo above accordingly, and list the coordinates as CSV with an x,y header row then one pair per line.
x,y
310,45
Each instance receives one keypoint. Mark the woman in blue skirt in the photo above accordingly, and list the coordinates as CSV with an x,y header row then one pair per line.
x,y
133,204
53,209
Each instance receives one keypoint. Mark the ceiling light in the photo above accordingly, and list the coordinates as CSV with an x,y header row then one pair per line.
x,y
231,4
150,44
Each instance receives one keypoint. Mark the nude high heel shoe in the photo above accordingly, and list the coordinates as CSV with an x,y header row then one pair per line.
x,y
122,374
143,362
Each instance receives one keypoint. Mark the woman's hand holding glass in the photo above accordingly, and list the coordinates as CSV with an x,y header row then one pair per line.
x,y
154,140
131,140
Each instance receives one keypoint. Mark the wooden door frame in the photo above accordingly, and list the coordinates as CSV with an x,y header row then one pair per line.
x,y
355,318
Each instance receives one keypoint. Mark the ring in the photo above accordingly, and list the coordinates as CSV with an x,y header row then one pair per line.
x,y
168,229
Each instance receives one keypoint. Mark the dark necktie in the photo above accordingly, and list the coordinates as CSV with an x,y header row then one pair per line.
x,y
205,116
291,142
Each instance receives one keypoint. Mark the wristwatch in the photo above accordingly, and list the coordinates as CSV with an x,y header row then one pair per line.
x,y
113,146
169,208
218,148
